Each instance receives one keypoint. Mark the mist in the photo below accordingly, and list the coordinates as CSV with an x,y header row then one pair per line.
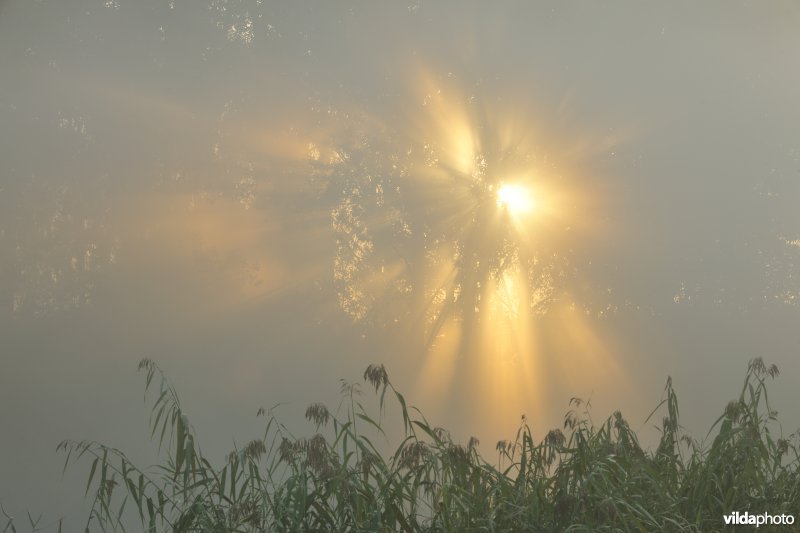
x,y
266,197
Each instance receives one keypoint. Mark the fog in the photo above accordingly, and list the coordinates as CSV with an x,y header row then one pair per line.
x,y
266,197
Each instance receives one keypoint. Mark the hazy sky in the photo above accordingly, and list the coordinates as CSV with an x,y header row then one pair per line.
x,y
265,197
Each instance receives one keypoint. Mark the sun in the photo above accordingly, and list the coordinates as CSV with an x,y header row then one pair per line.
x,y
515,198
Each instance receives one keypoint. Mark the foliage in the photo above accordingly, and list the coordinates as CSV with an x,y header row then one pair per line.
x,y
581,478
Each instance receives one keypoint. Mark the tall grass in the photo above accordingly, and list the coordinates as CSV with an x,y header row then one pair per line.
x,y
579,478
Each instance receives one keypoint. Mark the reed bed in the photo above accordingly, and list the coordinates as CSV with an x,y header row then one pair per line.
x,y
581,477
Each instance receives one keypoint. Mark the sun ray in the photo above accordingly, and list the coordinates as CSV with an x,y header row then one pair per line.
x,y
455,227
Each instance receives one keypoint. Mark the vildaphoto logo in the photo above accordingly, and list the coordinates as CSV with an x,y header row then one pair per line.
x,y
764,519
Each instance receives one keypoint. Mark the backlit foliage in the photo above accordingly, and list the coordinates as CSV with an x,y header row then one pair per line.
x,y
583,477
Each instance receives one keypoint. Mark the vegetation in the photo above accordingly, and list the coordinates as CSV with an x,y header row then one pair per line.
x,y
581,478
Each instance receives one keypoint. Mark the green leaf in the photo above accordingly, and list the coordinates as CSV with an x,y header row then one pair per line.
x,y
181,440
91,474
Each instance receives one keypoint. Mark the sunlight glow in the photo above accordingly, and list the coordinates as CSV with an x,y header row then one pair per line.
x,y
437,247
516,198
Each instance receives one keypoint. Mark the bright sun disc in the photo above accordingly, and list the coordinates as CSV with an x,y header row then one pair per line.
x,y
515,198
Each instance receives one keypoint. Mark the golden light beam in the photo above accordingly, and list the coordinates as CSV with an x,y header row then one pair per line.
x,y
515,205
